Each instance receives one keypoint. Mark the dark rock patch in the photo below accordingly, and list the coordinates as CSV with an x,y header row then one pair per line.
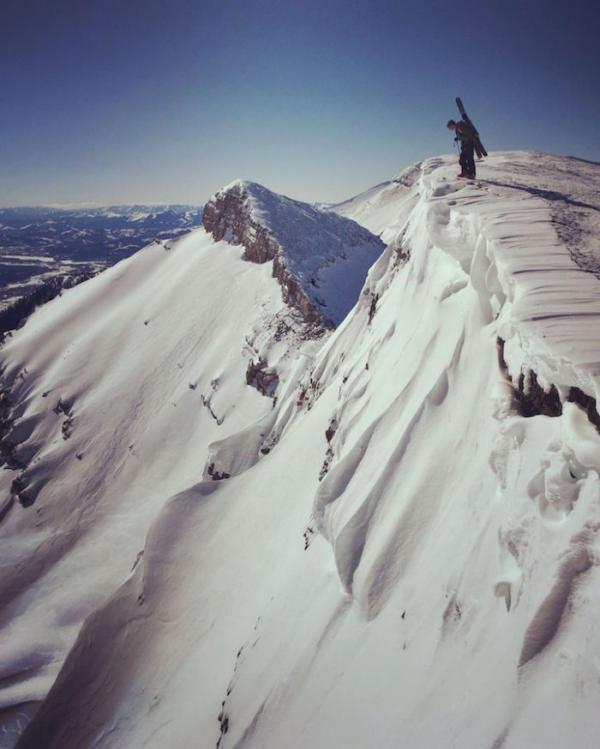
x,y
226,216
216,475
373,307
307,535
531,399
329,454
587,403
262,377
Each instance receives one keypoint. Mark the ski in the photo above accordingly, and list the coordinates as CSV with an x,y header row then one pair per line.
x,y
479,147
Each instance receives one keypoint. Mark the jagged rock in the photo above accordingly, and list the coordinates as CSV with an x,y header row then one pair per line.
x,y
373,307
216,475
309,532
261,377
331,429
531,398
227,216
587,403
309,248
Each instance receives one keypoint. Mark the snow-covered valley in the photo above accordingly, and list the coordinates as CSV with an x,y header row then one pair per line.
x,y
39,245
224,524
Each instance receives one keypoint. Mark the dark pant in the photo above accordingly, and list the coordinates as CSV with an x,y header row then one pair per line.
x,y
467,161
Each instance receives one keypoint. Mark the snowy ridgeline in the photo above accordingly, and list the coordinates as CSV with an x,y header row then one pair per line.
x,y
319,258
238,534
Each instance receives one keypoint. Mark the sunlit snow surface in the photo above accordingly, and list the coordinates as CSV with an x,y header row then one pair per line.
x,y
448,596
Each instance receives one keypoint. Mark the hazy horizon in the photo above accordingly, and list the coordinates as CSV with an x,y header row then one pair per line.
x,y
144,103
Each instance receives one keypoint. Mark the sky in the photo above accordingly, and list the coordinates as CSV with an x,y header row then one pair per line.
x,y
148,101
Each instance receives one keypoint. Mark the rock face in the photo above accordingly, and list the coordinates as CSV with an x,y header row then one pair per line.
x,y
228,216
262,377
320,259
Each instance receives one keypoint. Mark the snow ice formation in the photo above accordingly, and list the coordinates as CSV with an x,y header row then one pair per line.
x,y
220,529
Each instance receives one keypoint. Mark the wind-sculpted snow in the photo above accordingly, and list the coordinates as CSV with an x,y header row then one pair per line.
x,y
320,259
405,551
111,396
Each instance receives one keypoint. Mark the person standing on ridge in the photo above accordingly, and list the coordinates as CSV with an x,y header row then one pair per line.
x,y
467,135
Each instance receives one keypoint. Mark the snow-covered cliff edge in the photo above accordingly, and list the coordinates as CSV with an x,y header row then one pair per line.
x,y
406,551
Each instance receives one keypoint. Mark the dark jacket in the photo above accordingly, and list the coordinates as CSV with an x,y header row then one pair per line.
x,y
465,132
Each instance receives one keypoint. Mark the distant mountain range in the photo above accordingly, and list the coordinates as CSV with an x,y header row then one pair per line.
x,y
38,243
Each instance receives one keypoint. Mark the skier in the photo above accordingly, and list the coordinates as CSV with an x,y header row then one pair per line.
x,y
467,135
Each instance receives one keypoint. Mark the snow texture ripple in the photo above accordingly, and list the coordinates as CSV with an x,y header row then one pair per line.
x,y
405,550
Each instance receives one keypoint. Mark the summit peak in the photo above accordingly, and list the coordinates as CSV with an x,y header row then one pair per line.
x,y
321,259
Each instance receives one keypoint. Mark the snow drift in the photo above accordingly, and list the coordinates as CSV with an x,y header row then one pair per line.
x,y
406,549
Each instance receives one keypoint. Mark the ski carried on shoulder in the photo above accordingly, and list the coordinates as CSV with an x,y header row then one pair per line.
x,y
479,148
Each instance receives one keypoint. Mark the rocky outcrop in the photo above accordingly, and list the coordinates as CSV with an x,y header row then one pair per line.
x,y
587,403
309,248
531,399
262,377
227,216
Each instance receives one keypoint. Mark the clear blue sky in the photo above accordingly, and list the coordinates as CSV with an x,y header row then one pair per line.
x,y
141,100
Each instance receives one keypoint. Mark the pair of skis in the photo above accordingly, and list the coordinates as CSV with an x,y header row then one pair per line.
x,y
479,148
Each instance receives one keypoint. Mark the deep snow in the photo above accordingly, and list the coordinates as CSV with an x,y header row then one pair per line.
x,y
399,556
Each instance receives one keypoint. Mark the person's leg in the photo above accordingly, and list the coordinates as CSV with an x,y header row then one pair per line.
x,y
469,167
462,161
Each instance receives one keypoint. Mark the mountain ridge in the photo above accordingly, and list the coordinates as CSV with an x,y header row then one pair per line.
x,y
414,507
319,258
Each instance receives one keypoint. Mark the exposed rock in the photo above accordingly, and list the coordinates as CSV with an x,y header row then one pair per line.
x,y
531,399
373,307
227,216
215,475
63,407
309,532
331,429
302,242
308,392
207,403
401,251
262,377
329,454
587,403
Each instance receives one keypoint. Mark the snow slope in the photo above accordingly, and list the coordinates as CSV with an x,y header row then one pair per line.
x,y
411,558
117,390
